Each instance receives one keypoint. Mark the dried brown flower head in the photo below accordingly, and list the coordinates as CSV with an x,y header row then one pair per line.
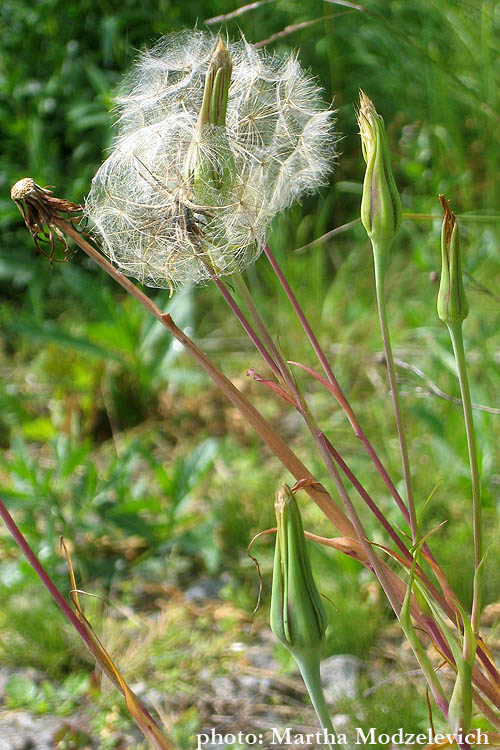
x,y
40,211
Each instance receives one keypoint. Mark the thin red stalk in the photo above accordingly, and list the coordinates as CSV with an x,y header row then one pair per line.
x,y
358,431
318,437
285,370
56,595
332,469
248,328
385,523
356,522
239,282
261,426
300,315
267,433
368,500
43,575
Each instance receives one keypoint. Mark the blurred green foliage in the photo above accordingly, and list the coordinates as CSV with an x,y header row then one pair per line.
x,y
106,426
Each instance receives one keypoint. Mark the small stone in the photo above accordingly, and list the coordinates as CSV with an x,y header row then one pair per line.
x,y
339,675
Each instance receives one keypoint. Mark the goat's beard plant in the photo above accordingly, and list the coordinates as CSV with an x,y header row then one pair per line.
x,y
210,145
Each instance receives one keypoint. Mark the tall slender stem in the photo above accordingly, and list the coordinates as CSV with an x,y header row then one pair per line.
x,y
309,665
321,442
247,327
457,341
242,288
379,257
339,395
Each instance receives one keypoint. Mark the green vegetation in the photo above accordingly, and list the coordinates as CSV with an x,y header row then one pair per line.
x,y
113,438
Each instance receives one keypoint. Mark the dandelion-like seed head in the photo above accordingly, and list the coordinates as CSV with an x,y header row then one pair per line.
x,y
181,198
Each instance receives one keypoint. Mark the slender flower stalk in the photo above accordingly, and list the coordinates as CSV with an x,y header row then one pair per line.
x,y
381,214
318,436
453,309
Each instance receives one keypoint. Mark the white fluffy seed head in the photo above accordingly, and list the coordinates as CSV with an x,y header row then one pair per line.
x,y
279,137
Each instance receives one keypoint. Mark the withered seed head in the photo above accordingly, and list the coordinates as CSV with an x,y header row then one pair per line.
x,y
23,188
41,211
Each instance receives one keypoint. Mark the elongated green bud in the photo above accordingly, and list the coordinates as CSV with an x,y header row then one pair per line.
x,y
215,93
210,167
381,210
452,303
298,617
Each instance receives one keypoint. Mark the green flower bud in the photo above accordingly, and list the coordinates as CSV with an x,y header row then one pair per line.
x,y
298,617
452,306
381,210
217,81
210,166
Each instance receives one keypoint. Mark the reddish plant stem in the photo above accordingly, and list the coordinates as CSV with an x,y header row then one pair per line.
x,y
360,434
265,430
56,595
320,440
248,328
267,433
342,400
43,575
368,500
374,562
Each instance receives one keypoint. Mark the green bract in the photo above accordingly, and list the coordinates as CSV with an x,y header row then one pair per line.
x,y
452,303
210,165
381,210
298,617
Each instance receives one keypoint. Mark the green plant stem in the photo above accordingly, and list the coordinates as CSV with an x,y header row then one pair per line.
x,y
309,666
457,342
418,650
379,255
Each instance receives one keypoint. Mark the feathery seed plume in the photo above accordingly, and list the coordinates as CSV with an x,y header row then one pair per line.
x,y
186,192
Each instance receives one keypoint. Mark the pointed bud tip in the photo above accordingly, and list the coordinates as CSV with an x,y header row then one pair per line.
x,y
283,497
221,57
381,209
449,219
365,103
452,306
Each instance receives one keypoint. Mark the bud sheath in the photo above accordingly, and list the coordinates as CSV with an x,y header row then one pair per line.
x,y
298,617
452,303
381,210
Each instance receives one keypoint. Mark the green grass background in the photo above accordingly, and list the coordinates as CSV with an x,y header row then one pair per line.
x,y
112,437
